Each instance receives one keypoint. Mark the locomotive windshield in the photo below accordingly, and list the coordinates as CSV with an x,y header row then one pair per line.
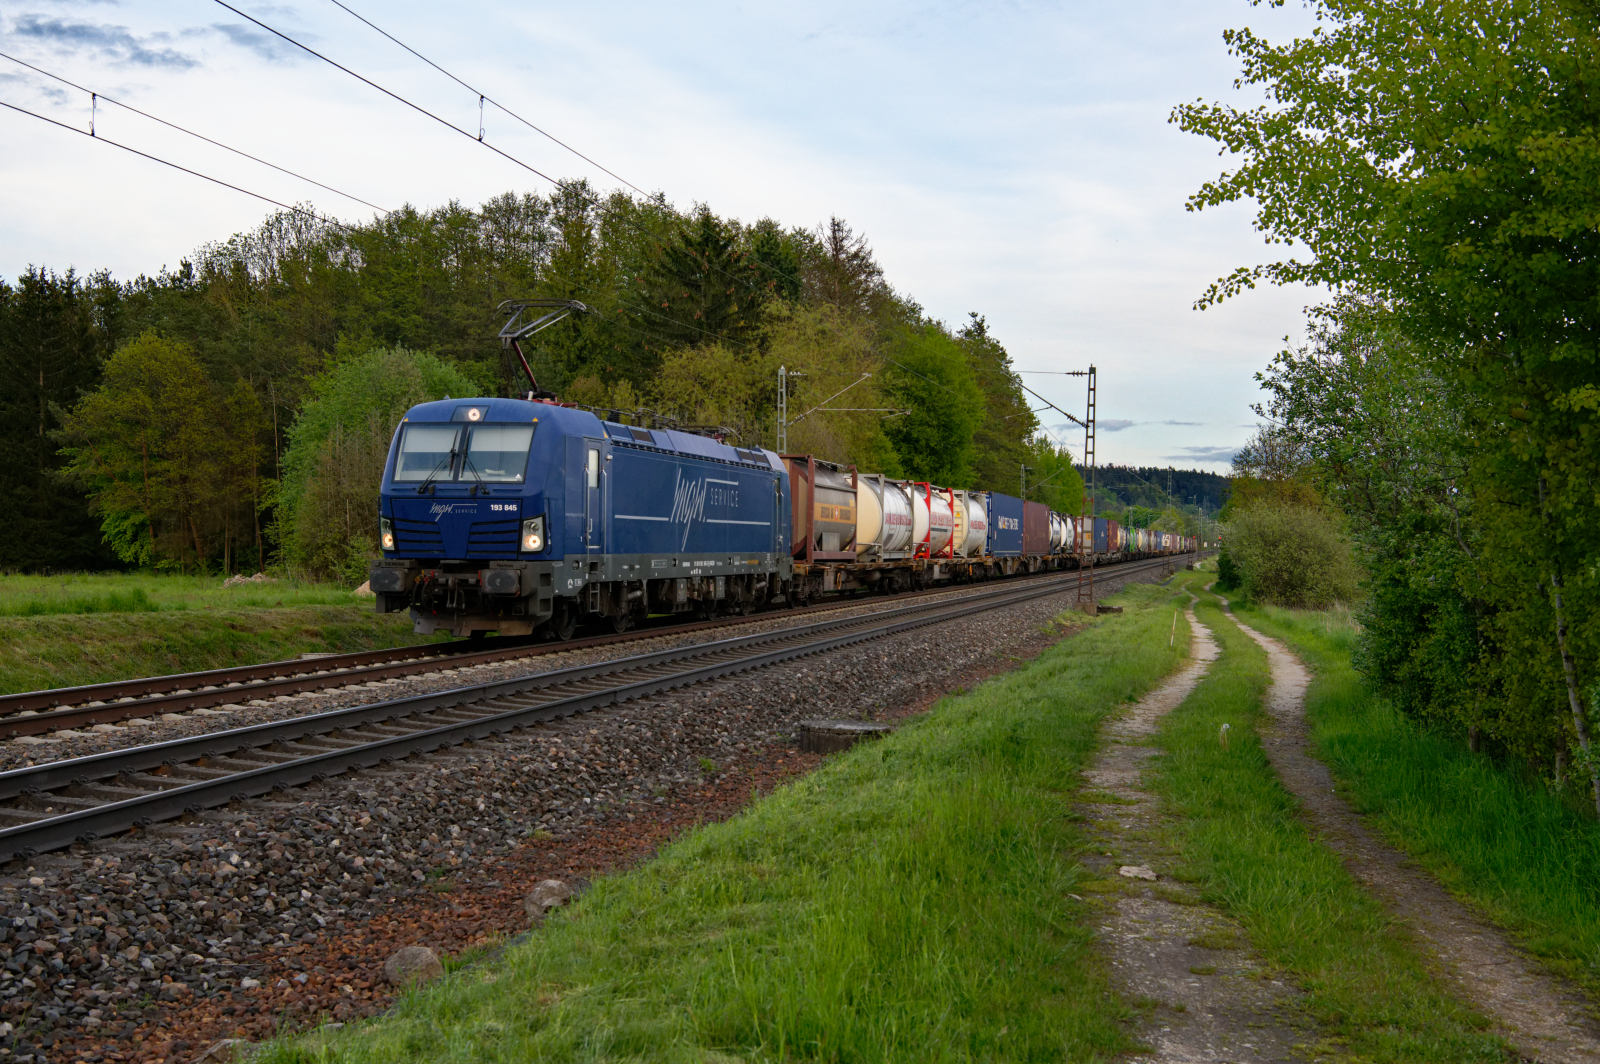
x,y
497,453
491,453
427,450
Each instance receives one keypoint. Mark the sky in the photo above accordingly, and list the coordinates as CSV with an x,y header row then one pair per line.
x,y
1013,159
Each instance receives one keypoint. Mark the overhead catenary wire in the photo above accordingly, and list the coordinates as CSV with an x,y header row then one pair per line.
x,y
165,162
96,97
392,95
594,202
293,208
298,210
479,139
1075,420
482,98
442,121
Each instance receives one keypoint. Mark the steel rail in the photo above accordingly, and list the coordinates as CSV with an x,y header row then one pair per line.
x,y
34,712
53,774
85,825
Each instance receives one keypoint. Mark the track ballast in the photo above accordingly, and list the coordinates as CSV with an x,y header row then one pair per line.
x,y
111,792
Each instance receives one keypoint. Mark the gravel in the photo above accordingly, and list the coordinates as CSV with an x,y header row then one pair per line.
x,y
150,946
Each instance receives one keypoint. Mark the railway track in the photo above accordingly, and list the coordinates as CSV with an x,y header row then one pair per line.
x,y
60,709
56,804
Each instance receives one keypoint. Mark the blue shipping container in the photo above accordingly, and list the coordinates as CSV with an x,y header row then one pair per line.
x,y
1005,525
1102,535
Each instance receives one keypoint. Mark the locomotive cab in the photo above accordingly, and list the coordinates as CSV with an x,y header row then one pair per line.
x,y
465,524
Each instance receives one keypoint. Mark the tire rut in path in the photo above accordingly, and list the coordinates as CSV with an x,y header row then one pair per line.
x,y
1209,997
1542,1016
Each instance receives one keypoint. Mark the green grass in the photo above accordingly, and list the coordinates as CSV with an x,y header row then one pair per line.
x,y
1525,856
908,901
66,650
1240,838
73,593
81,628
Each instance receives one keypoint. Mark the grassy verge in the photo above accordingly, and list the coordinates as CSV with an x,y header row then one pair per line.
x,y
75,593
1241,840
1504,842
65,651
908,901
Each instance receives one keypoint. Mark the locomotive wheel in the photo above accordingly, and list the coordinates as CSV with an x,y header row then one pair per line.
x,y
563,622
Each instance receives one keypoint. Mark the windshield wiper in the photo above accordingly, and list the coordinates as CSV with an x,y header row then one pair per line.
x,y
447,460
468,463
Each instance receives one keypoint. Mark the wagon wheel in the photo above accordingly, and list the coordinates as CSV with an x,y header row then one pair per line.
x,y
621,622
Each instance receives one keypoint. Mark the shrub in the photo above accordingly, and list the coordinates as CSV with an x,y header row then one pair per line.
x,y
333,468
1290,555
1228,576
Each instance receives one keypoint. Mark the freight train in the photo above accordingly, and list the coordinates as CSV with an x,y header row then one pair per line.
x,y
524,516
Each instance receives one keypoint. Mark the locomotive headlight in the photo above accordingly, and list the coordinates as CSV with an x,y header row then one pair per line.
x,y
386,533
533,534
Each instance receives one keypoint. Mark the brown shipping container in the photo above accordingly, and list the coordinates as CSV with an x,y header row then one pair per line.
x,y
1035,528
832,509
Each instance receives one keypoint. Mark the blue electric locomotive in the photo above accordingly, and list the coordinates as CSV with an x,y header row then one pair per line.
x,y
512,515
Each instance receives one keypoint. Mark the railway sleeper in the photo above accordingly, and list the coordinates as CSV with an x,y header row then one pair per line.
x,y
149,781
261,758
54,803
190,771
393,729
325,743
106,792
452,715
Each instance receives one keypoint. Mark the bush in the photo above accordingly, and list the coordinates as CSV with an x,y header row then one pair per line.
x,y
1290,555
333,468
1228,576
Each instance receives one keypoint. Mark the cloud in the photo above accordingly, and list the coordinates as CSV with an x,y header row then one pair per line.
x,y
1118,424
114,42
54,93
272,49
1204,454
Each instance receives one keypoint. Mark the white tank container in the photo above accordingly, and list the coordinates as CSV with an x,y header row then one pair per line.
x,y
884,522
1058,535
931,519
898,521
977,525
869,516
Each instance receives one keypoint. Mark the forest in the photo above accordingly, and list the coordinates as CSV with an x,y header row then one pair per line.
x,y
1154,488
233,413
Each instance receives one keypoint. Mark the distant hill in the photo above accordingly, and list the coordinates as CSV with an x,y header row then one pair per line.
x,y
1148,486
